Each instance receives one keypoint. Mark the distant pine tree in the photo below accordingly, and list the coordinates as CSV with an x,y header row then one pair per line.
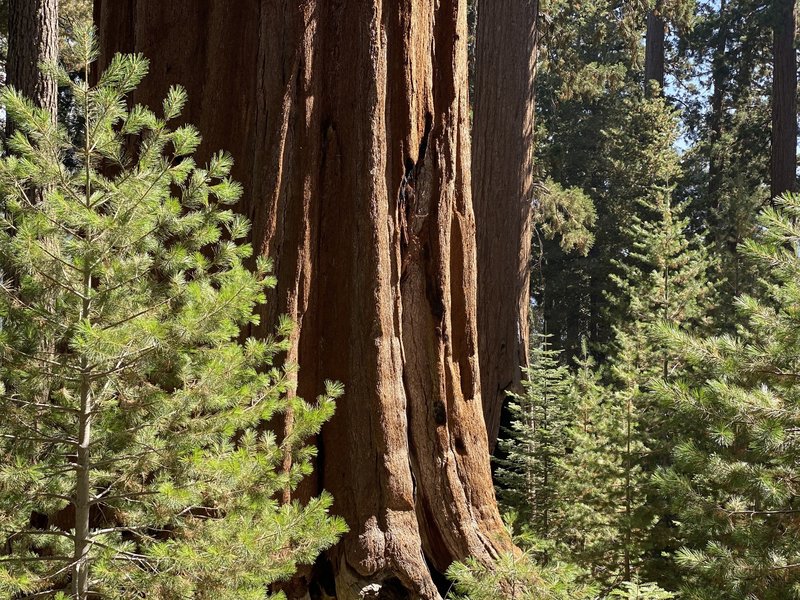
x,y
598,134
663,278
734,482
600,472
134,458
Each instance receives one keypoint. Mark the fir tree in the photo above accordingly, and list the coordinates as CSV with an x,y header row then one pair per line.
x,y
134,458
734,482
598,474
662,278
619,434
534,444
616,146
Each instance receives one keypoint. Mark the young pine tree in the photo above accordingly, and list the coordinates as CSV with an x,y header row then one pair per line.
x,y
633,590
662,278
597,473
518,576
534,445
734,482
134,458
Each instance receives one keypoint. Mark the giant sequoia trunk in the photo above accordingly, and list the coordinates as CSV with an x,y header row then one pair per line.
x,y
33,39
502,187
784,99
349,124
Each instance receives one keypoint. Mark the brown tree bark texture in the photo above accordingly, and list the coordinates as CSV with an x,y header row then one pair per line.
x,y
33,39
654,50
349,123
784,99
502,188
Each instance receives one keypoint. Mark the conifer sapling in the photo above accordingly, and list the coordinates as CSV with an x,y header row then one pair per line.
x,y
135,460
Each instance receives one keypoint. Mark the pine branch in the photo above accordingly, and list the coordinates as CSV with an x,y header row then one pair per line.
x,y
37,207
54,407
58,259
52,532
34,559
57,283
141,313
42,439
130,362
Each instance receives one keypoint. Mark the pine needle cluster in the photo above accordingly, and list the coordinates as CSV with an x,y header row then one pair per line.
x,y
734,482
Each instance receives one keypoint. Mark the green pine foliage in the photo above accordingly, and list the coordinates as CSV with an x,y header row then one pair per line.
x,y
675,196
725,69
565,214
663,278
734,482
599,475
520,575
516,576
134,460
618,149
533,446
633,590
617,526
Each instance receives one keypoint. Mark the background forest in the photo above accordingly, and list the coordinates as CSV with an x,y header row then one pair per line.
x,y
653,438
624,299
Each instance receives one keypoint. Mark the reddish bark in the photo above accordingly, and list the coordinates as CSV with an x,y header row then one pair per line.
x,y
502,188
348,120
32,40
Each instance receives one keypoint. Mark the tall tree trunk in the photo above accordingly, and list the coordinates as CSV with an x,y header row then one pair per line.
x,y
33,39
502,188
349,121
719,77
784,99
654,49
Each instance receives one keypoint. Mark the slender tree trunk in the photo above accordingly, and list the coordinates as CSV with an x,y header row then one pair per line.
x,y
83,483
502,187
719,76
784,99
654,49
628,489
33,39
349,121
82,502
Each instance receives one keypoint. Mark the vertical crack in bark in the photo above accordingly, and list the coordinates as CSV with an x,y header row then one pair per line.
x,y
357,177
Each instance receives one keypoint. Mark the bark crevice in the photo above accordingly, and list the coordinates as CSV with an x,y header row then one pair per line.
x,y
349,124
